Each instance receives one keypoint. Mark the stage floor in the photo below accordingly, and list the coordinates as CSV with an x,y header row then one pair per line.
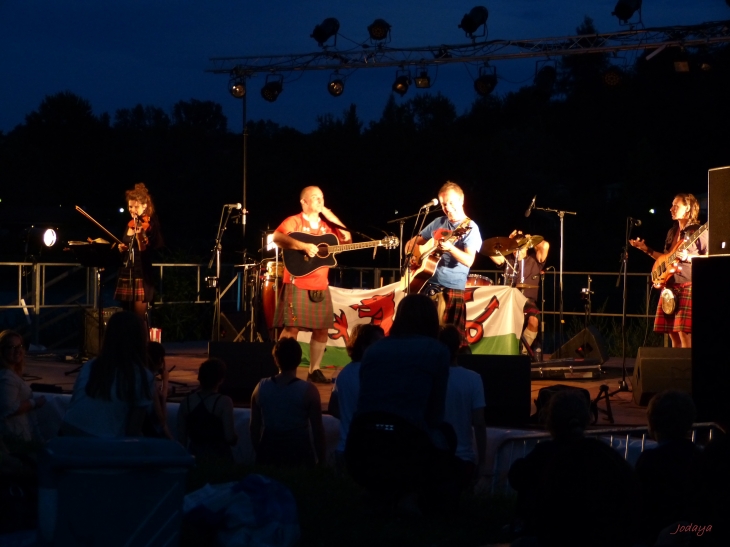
x,y
186,358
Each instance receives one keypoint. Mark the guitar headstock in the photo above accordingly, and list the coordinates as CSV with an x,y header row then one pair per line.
x,y
390,242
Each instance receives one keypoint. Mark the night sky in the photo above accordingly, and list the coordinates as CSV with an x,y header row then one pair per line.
x,y
117,54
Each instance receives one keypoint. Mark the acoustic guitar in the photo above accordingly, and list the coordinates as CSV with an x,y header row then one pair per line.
x,y
666,265
426,258
300,263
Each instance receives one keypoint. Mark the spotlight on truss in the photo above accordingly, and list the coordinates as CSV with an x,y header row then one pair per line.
x,y
273,87
336,85
423,80
379,30
323,32
625,10
402,82
237,86
486,81
472,21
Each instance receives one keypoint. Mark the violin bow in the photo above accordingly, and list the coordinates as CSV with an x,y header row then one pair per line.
x,y
87,215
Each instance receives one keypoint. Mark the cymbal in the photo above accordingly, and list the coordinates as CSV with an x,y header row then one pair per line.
x,y
495,246
530,242
526,286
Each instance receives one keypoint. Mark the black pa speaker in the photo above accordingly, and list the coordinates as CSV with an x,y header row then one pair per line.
x,y
587,344
718,211
246,364
657,369
507,389
710,325
91,329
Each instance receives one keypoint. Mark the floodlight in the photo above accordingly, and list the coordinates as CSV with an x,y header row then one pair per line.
x,y
486,81
273,87
422,81
402,82
379,30
476,18
625,9
237,86
336,86
329,28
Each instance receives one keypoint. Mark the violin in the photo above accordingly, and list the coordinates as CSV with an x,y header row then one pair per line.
x,y
140,225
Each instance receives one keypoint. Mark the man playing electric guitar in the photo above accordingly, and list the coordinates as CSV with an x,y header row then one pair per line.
x,y
305,302
677,322
449,277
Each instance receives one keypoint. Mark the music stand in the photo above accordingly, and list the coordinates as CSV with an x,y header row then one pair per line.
x,y
99,255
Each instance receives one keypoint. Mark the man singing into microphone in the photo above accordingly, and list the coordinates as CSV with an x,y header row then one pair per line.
x,y
449,278
305,302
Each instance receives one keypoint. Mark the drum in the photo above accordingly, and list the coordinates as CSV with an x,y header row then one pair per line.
x,y
476,280
268,299
275,269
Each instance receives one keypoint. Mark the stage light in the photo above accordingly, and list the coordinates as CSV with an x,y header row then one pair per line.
x,y
49,237
545,76
423,80
273,87
486,81
336,86
379,30
237,86
625,9
476,18
613,76
329,28
402,82
37,239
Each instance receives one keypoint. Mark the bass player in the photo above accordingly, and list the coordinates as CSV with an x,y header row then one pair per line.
x,y
305,301
678,322
457,256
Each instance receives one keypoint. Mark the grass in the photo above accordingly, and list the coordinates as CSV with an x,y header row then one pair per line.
x,y
334,511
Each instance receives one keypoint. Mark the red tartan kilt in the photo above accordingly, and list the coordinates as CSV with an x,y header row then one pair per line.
x,y
295,309
681,319
129,289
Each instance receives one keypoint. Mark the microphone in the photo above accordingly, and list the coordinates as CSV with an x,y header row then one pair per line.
x,y
233,205
635,222
531,207
433,203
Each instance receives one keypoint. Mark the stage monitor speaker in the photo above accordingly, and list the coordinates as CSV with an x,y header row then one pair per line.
x,y
657,369
91,329
246,364
718,211
710,325
587,344
507,390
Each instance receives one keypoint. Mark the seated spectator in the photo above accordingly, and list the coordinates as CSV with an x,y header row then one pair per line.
x,y
205,418
153,424
283,409
113,392
397,445
567,416
17,403
346,389
715,488
464,410
670,474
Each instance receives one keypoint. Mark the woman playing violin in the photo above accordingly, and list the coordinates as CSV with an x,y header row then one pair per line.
x,y
135,285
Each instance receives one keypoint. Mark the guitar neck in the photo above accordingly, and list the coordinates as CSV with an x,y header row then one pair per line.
x,y
353,246
685,244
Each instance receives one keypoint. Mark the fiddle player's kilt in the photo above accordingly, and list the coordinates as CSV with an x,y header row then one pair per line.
x,y
295,309
130,286
455,311
681,319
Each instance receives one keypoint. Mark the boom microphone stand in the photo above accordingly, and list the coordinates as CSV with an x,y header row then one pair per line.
x,y
215,281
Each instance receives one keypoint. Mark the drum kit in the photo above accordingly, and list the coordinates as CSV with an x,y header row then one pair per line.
x,y
262,281
503,246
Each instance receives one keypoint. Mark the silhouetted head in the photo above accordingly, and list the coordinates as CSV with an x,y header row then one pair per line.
x,y
671,414
416,315
287,353
363,335
568,414
211,373
451,338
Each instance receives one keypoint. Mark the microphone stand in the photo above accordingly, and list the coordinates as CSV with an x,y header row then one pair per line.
x,y
404,269
216,256
622,385
561,214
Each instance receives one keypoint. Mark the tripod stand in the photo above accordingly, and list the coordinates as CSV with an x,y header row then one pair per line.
x,y
214,282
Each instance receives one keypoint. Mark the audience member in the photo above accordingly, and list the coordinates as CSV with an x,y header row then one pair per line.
x,y
464,410
205,418
715,488
346,390
113,392
397,444
670,474
283,409
567,416
17,402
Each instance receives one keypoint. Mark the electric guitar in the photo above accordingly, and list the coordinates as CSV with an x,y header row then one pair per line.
x,y
300,263
426,258
666,265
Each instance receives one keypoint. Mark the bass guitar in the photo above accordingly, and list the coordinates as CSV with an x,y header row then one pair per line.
x,y
300,263
426,258
666,265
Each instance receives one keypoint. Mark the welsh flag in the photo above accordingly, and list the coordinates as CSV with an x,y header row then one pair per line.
x,y
493,326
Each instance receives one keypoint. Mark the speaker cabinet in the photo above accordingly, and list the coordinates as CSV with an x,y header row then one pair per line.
x,y
91,329
507,390
710,327
718,211
587,344
246,364
657,369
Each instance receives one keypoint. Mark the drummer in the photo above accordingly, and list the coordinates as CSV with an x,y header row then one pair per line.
x,y
522,269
